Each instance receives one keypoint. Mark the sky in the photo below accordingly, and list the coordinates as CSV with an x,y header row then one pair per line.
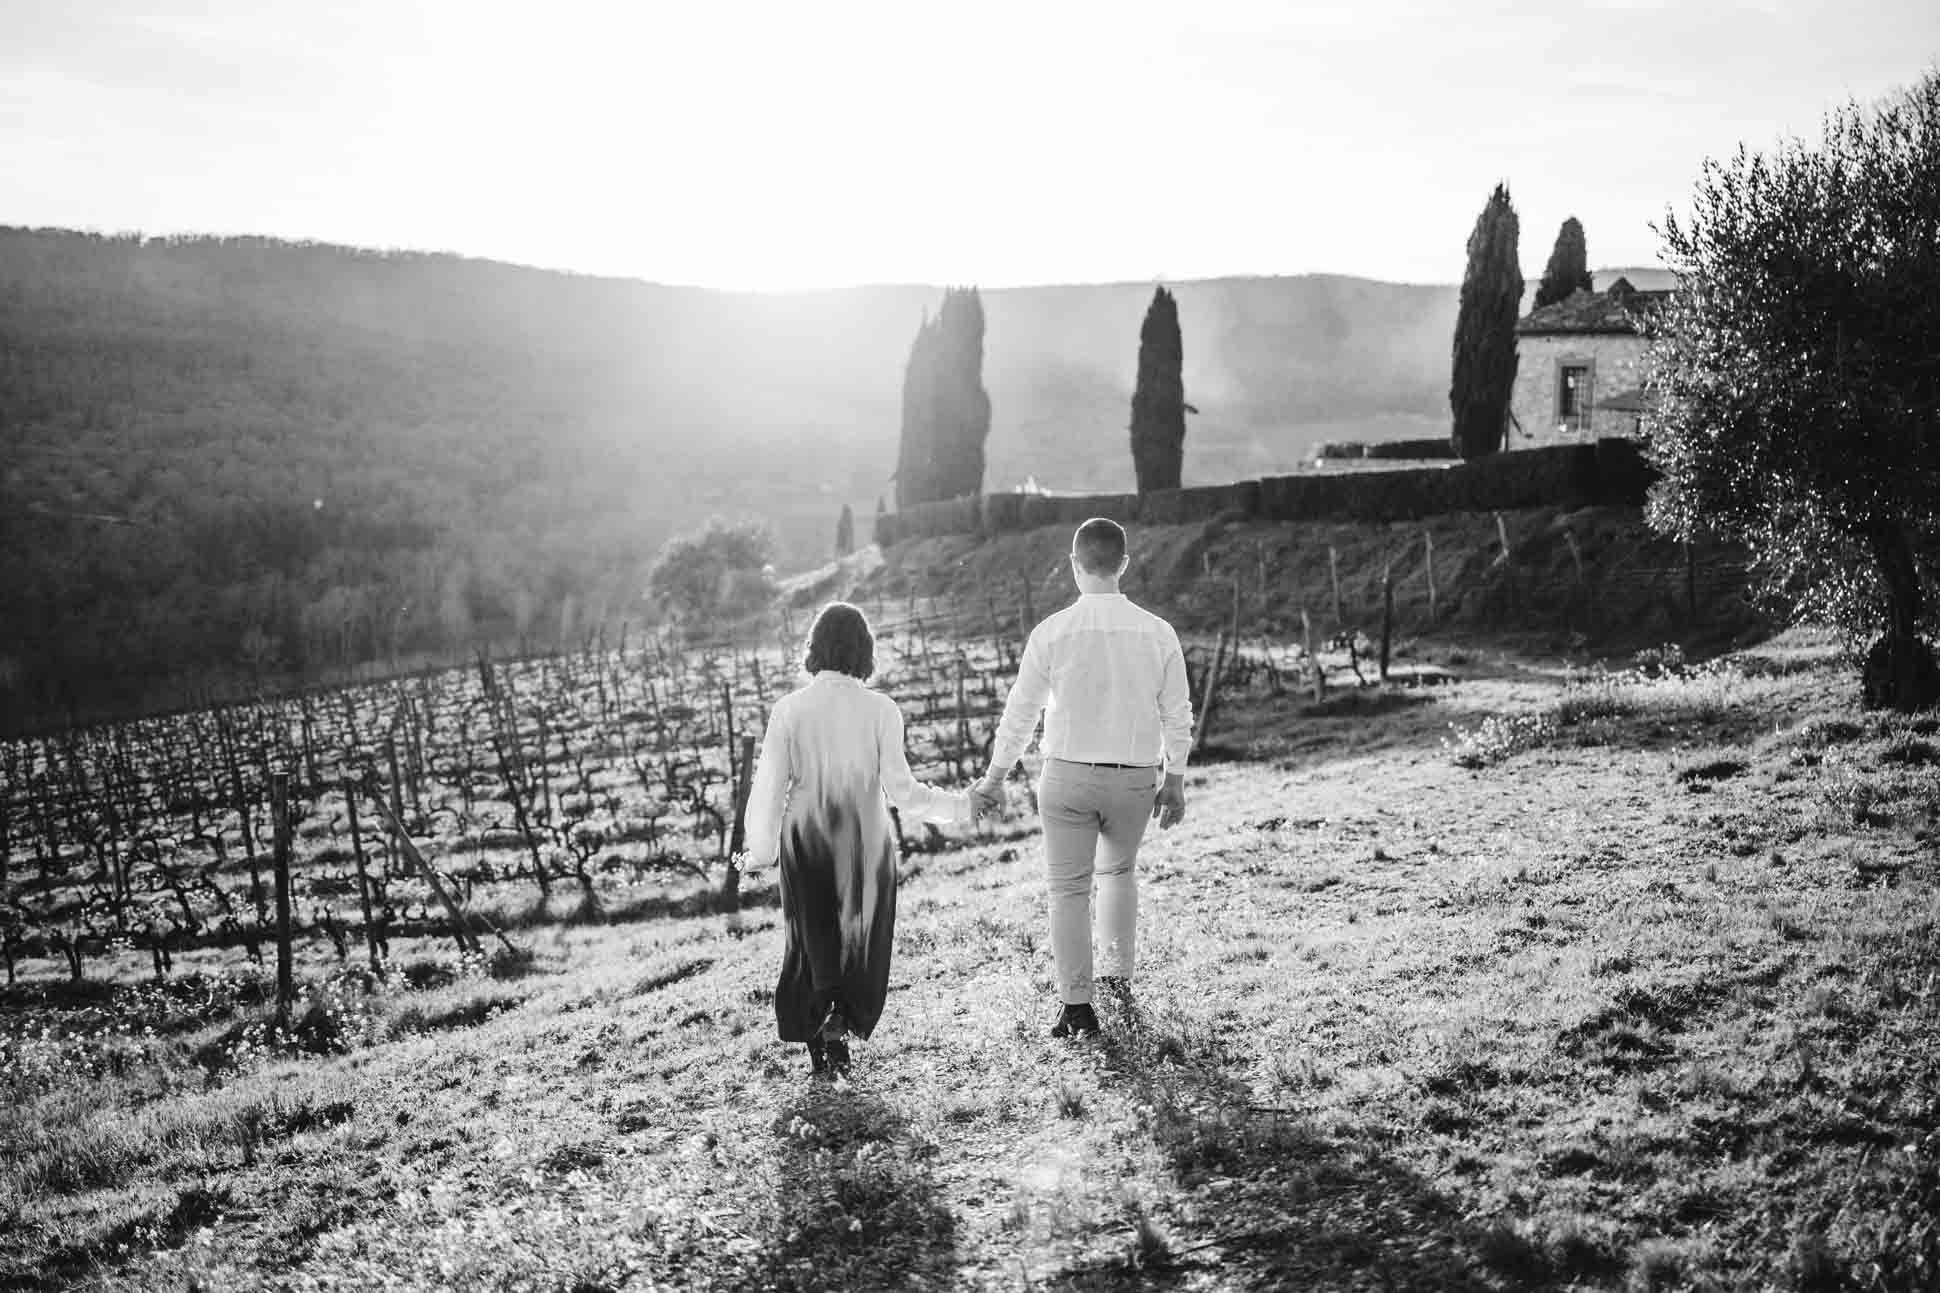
x,y
774,146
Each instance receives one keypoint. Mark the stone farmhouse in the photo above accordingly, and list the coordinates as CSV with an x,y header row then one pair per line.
x,y
1579,374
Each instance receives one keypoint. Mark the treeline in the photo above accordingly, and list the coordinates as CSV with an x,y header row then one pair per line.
x,y
242,459
237,459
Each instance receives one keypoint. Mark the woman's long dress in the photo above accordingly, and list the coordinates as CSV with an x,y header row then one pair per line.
x,y
832,763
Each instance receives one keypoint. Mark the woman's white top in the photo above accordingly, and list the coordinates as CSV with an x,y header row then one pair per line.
x,y
836,739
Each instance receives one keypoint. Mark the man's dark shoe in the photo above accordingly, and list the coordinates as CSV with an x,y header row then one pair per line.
x,y
838,1052
1075,1021
818,1059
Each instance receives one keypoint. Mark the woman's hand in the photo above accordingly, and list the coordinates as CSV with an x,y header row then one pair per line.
x,y
987,797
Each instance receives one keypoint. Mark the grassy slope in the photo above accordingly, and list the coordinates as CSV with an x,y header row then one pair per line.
x,y
1645,995
1574,578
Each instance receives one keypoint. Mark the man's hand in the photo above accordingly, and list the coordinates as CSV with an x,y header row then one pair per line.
x,y
1170,806
987,796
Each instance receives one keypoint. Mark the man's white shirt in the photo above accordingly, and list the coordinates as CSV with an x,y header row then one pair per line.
x,y
1110,679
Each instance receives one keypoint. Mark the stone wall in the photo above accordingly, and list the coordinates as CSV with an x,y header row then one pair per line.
x,y
1607,471
1616,364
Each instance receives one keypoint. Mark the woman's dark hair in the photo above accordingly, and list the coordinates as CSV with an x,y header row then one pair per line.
x,y
841,640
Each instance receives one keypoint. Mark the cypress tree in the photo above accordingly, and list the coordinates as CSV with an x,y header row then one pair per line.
x,y
1159,399
963,405
946,411
1568,268
1484,368
915,456
845,532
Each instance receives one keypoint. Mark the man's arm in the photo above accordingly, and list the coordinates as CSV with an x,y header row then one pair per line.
x,y
1175,704
1029,693
1175,725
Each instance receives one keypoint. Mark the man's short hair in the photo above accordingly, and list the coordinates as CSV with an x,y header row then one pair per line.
x,y
840,640
1099,546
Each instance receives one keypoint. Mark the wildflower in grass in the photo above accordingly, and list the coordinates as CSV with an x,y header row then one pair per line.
x,y
1496,738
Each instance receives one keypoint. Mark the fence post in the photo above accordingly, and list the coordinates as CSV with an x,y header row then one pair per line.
x,y
279,790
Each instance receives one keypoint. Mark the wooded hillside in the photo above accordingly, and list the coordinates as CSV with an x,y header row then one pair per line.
x,y
243,453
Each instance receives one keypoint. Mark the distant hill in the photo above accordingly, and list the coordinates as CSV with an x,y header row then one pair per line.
x,y
244,451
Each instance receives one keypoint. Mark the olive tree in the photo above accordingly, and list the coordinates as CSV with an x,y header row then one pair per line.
x,y
1796,373
720,570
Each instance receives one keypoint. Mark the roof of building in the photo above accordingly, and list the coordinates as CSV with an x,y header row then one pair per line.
x,y
1644,278
1615,310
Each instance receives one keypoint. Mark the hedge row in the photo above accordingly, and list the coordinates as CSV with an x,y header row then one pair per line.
x,y
1609,471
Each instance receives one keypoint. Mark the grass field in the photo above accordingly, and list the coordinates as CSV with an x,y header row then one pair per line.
x,y
1539,978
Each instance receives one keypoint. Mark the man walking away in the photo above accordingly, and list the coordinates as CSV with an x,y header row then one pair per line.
x,y
1110,680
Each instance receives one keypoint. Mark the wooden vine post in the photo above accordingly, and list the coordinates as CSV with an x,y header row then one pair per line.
x,y
461,928
1509,569
1690,584
279,792
1313,661
963,722
1387,615
1333,575
1209,693
363,876
1428,565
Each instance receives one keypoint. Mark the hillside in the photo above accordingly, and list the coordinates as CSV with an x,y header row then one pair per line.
x,y
1625,981
1576,580
240,453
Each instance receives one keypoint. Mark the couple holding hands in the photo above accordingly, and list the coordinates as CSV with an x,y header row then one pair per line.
x,y
1109,678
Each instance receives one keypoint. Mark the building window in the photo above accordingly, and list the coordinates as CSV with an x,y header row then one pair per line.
x,y
1573,388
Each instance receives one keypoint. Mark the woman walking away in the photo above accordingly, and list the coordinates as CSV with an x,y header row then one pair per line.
x,y
832,763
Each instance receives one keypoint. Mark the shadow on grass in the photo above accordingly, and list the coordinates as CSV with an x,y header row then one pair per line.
x,y
856,1206
157,1226
1296,1207
1293,731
